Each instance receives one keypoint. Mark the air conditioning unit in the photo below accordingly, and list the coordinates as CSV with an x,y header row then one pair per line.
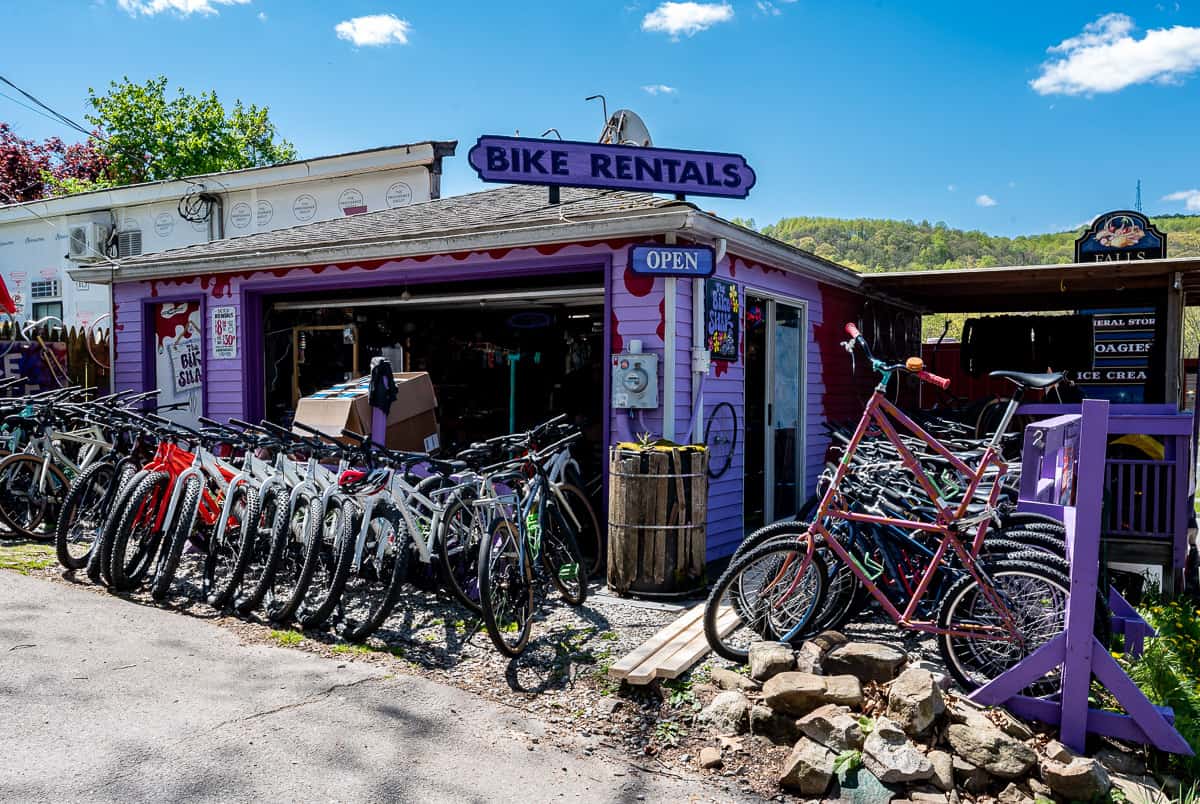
x,y
88,242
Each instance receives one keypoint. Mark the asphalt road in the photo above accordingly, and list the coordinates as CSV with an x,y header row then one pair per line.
x,y
106,700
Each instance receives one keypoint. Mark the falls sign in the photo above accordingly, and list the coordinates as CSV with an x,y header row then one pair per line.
x,y
562,163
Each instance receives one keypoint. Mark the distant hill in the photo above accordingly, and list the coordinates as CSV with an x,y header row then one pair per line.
x,y
870,244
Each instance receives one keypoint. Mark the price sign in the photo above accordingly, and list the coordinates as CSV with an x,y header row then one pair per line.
x,y
224,333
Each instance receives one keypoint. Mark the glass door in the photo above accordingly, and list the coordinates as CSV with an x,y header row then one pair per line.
x,y
775,481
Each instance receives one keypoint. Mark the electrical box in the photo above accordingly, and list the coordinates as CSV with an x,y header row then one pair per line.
x,y
634,380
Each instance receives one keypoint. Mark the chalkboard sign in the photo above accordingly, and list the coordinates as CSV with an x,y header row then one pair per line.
x,y
722,312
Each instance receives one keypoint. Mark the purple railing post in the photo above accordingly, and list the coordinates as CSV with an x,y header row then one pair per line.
x,y
1083,542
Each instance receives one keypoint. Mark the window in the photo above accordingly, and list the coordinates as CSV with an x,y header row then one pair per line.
x,y
45,289
43,309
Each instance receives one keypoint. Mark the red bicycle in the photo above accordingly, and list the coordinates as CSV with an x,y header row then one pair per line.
x,y
987,611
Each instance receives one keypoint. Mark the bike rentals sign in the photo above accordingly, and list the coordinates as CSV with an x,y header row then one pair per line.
x,y
563,163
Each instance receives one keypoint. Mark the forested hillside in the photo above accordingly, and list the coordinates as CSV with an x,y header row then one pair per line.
x,y
887,245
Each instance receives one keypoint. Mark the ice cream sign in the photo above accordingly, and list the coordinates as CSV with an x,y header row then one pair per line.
x,y
562,163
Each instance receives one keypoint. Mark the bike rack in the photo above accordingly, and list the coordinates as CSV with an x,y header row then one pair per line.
x,y
1064,457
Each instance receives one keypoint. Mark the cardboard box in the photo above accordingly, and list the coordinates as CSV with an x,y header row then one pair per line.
x,y
411,421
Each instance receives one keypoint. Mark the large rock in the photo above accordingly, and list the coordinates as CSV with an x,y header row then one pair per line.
x,y
860,786
828,640
868,661
769,659
970,777
967,712
1011,794
808,657
943,770
834,727
794,693
915,700
1139,789
843,691
890,755
1119,761
808,769
710,758
728,713
991,749
1081,779
777,727
729,680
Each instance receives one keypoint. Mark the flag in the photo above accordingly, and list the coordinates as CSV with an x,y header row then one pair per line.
x,y
6,302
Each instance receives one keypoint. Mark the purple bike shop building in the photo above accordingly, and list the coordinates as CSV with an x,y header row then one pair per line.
x,y
522,303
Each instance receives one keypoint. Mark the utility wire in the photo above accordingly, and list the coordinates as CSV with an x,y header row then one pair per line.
x,y
62,118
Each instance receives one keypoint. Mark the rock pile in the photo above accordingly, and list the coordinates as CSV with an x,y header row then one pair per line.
x,y
865,725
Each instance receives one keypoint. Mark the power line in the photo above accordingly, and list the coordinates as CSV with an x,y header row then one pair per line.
x,y
62,118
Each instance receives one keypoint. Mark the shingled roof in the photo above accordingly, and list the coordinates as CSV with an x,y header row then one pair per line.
x,y
505,207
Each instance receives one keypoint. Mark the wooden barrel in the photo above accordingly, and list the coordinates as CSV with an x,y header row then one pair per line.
x,y
657,507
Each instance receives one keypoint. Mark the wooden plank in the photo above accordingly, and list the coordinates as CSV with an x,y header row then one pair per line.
x,y
679,662
644,673
623,666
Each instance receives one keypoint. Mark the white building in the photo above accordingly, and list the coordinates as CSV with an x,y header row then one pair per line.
x,y
41,240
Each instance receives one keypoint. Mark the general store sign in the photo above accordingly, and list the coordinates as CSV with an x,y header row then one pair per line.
x,y
1120,236
654,260
522,160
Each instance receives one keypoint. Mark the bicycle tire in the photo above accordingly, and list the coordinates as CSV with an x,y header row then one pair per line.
x,y
179,531
458,539
83,513
561,557
501,580
268,546
386,572
963,593
97,566
293,573
726,432
590,539
236,549
138,520
752,615
332,550
22,507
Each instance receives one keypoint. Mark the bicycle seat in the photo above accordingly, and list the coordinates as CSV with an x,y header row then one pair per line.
x,y
1026,380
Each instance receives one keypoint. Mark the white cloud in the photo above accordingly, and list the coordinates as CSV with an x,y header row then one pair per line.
x,y
182,7
262,16
686,18
1105,57
768,8
659,89
1190,197
374,30
985,200
951,188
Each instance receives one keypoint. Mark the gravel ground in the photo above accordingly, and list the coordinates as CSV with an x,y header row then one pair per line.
x,y
561,678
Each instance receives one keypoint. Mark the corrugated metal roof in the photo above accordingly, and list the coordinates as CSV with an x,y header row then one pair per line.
x,y
503,207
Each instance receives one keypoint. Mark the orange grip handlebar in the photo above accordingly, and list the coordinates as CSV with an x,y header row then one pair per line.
x,y
852,331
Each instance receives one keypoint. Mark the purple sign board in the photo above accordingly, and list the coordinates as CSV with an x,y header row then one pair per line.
x,y
520,160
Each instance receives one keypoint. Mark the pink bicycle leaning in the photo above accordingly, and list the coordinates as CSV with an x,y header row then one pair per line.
x,y
927,568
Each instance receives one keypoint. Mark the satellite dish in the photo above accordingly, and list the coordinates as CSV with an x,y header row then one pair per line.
x,y
625,127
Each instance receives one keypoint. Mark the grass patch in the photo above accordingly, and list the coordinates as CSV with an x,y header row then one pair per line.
x,y
343,647
286,638
26,557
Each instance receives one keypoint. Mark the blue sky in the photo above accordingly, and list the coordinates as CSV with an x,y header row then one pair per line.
x,y
946,111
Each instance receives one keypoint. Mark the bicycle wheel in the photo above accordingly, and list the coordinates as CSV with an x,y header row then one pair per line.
x,y
372,589
561,557
327,561
178,533
720,436
264,551
293,574
506,588
1035,596
459,535
588,536
139,532
229,551
97,565
24,506
83,513
763,596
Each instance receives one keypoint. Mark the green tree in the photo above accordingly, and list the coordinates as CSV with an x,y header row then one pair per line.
x,y
149,135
